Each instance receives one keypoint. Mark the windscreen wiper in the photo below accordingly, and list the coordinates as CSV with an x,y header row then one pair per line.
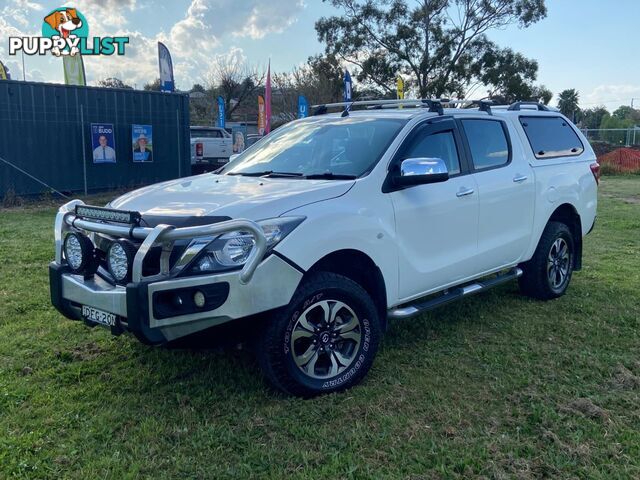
x,y
331,176
283,174
267,173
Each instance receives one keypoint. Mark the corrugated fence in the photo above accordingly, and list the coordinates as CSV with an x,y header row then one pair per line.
x,y
45,130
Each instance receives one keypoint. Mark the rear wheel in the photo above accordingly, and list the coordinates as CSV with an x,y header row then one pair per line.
x,y
325,340
548,273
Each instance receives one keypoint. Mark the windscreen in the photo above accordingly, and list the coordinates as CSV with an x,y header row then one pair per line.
x,y
339,146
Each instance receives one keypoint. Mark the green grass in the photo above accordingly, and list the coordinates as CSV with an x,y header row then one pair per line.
x,y
495,386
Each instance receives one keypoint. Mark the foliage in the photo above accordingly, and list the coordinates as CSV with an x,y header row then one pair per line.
x,y
611,121
153,86
197,88
439,46
510,76
113,82
625,112
320,80
237,82
592,117
568,101
495,386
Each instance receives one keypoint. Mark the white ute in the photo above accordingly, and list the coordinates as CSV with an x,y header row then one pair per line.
x,y
211,148
331,225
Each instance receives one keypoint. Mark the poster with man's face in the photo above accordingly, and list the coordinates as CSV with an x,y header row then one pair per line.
x,y
142,143
103,143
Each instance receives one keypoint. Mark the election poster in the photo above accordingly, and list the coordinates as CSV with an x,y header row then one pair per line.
x,y
239,136
103,143
141,136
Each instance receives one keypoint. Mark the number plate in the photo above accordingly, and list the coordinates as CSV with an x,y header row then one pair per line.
x,y
98,316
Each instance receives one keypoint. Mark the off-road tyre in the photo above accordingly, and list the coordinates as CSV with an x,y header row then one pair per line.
x,y
277,354
542,278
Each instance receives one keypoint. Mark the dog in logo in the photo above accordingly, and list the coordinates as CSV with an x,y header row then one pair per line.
x,y
64,22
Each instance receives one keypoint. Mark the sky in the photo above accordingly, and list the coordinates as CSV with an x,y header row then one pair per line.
x,y
588,45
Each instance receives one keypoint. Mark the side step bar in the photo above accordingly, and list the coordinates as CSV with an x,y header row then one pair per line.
x,y
452,295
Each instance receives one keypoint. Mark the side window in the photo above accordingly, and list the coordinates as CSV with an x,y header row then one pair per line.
x,y
437,145
551,137
217,134
488,143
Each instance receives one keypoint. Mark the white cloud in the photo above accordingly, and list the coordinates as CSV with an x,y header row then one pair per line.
x,y
195,41
18,11
611,95
112,13
137,67
212,19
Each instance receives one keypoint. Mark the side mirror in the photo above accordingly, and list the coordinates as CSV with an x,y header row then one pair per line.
x,y
419,171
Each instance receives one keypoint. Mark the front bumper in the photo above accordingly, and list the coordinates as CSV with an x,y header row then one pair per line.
x,y
272,286
160,308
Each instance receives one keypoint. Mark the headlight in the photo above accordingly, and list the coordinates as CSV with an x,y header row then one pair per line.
x,y
233,249
78,251
120,260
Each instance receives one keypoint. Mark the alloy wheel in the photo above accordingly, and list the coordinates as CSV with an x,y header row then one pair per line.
x,y
558,263
325,339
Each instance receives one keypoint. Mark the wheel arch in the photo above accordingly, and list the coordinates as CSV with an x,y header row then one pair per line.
x,y
359,267
568,214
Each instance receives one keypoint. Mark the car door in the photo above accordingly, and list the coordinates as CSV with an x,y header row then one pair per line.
x,y
437,223
506,190
216,144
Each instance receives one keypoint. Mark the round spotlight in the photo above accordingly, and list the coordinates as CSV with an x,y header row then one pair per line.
x,y
120,260
78,251
199,299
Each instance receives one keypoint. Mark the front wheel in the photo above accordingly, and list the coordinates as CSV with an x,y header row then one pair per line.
x,y
324,341
548,273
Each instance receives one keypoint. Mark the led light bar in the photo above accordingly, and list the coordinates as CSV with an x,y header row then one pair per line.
x,y
107,214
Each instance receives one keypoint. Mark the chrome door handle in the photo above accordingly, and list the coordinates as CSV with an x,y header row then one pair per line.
x,y
465,192
519,178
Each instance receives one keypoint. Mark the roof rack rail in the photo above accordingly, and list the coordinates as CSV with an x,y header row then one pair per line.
x,y
319,110
434,105
483,105
516,106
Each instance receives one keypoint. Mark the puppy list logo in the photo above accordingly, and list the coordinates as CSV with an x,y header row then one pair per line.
x,y
65,31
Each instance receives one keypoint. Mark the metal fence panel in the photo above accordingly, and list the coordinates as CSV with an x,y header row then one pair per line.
x,y
45,131
621,137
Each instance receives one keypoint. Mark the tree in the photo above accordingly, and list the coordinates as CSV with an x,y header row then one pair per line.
x,y
592,117
113,82
439,46
235,81
541,94
625,112
568,103
152,86
511,77
197,88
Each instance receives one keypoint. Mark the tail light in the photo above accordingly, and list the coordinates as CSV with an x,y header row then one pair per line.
x,y
200,150
595,169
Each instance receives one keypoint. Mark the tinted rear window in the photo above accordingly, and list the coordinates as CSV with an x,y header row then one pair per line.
x,y
488,143
203,133
551,137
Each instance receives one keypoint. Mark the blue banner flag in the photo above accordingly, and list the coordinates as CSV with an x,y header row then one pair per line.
x,y
303,107
347,86
167,83
220,112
